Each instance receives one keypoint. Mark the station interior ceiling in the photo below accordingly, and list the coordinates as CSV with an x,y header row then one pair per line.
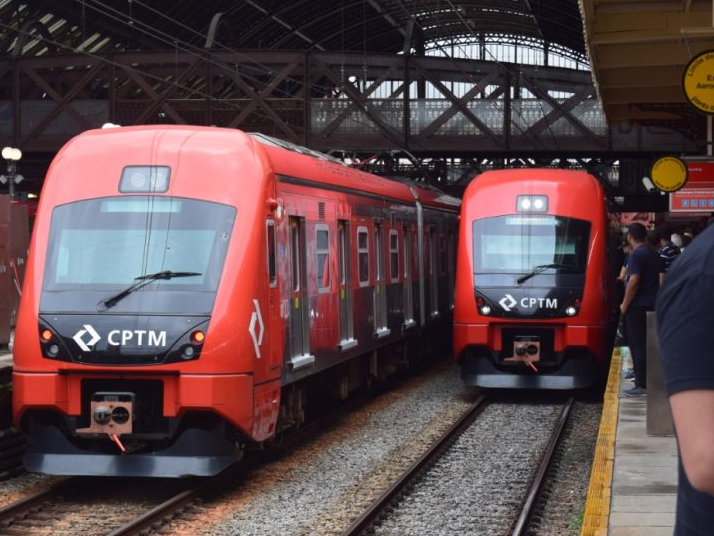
x,y
637,49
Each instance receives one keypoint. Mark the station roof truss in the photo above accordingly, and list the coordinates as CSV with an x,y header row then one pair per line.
x,y
262,65
381,26
639,51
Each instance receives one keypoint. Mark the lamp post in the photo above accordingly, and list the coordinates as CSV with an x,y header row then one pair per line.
x,y
12,156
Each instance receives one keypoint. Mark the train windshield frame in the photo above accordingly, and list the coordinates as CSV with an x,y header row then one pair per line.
x,y
98,247
520,243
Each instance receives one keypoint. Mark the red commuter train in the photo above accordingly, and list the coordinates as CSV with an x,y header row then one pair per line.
x,y
534,297
190,289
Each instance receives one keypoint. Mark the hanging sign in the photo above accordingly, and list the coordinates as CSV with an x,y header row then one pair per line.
x,y
698,82
669,173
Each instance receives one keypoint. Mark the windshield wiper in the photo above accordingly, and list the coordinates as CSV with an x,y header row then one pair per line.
x,y
541,268
141,281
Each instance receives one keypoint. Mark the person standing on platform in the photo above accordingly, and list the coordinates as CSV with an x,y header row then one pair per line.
x,y
643,269
667,251
685,327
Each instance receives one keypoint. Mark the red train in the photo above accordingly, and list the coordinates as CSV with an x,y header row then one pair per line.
x,y
190,289
534,298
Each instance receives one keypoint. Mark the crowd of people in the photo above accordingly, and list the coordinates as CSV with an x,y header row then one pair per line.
x,y
673,274
648,256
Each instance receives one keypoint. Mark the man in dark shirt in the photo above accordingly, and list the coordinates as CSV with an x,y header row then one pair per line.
x,y
667,251
640,293
685,327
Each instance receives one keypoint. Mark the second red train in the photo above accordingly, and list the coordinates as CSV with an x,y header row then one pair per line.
x,y
534,297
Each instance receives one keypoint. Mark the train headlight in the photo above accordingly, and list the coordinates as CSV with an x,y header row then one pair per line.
x,y
483,307
532,203
53,350
571,310
198,336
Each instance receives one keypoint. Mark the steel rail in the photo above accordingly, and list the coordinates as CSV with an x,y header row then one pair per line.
x,y
154,516
367,517
530,502
21,508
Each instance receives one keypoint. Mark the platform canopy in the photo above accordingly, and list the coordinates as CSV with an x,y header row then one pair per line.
x,y
638,52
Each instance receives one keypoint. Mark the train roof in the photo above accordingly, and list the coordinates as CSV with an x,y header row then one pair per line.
x,y
325,169
291,160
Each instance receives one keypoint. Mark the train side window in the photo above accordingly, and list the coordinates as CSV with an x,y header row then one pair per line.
x,y
450,259
363,256
442,254
322,250
295,249
394,255
270,242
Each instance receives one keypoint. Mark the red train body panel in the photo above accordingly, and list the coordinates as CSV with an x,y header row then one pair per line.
x,y
199,279
533,305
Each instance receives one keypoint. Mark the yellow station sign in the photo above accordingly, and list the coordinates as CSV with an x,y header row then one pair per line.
x,y
669,173
698,82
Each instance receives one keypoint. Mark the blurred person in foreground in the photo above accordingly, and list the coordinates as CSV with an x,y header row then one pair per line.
x,y
685,327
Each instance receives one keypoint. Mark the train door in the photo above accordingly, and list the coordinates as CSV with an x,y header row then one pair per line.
x,y
299,319
344,265
408,277
433,273
380,284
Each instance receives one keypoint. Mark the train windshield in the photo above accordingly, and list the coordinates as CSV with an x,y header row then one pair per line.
x,y
526,243
101,247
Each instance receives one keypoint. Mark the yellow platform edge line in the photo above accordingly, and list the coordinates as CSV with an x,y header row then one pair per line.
x,y
597,507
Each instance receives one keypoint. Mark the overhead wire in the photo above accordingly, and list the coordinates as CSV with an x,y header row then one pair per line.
x,y
306,86
210,56
187,47
139,26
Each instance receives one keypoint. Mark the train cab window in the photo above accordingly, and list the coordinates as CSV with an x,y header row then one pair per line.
x,y
322,250
270,242
101,247
522,243
394,255
363,256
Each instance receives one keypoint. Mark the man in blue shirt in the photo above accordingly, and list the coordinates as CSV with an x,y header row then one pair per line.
x,y
667,251
643,268
685,328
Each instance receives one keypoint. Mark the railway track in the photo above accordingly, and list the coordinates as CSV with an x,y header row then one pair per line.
x,y
104,506
383,507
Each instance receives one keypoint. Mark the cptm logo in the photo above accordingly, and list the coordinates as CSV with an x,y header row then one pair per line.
x,y
94,338
119,337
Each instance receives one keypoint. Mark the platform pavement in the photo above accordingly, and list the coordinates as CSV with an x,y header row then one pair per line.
x,y
5,358
644,484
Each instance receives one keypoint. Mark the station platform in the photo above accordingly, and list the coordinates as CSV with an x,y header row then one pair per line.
x,y
633,481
